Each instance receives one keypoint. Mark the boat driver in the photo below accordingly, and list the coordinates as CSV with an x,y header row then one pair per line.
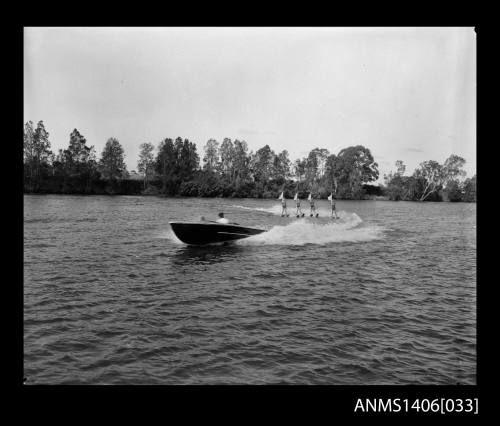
x,y
222,219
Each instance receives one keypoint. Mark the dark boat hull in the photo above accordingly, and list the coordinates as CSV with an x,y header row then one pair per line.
x,y
200,233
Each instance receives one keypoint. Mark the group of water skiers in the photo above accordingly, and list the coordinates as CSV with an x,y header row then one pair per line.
x,y
298,212
313,211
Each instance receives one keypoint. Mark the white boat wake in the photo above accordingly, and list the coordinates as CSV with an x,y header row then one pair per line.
x,y
276,209
348,228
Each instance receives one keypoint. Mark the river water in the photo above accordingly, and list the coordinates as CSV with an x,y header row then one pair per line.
x,y
384,295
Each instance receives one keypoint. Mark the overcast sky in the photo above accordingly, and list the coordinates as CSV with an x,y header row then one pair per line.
x,y
405,93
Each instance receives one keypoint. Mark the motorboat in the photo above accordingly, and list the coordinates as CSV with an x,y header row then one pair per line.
x,y
208,232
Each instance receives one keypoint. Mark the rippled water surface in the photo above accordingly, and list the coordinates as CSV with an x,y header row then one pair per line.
x,y
385,295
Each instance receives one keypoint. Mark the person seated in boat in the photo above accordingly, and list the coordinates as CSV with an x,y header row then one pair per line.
x,y
222,219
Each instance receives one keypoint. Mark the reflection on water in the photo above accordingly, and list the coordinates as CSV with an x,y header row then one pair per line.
x,y
213,253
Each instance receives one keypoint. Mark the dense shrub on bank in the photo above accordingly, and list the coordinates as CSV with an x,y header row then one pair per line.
x,y
205,184
373,190
78,185
202,185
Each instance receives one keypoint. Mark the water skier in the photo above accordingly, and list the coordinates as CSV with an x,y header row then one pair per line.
x,y
333,208
298,211
284,211
313,207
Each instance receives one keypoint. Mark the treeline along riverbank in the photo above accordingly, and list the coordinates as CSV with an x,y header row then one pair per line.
x,y
77,185
229,169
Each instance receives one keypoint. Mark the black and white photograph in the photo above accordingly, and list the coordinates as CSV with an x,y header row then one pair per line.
x,y
249,206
